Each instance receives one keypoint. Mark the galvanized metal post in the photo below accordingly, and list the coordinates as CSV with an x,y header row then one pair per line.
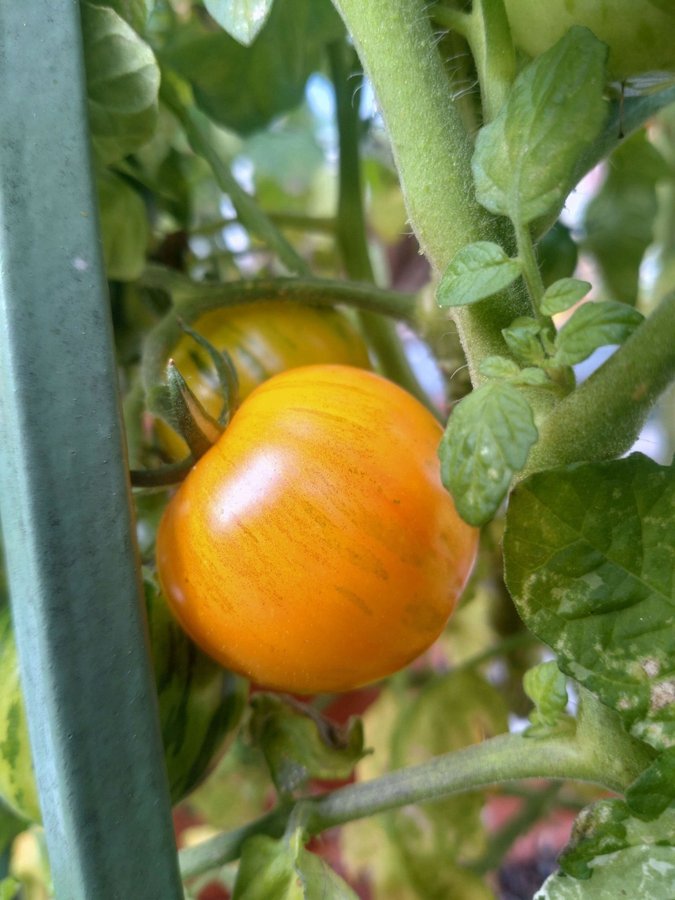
x,y
65,502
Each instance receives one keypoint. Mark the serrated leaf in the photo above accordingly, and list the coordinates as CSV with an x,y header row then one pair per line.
x,y
523,338
589,558
299,744
499,367
487,440
533,376
242,19
124,227
593,325
476,272
284,870
562,294
605,844
122,84
524,160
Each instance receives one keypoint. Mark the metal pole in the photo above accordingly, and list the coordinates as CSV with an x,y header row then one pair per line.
x,y
64,499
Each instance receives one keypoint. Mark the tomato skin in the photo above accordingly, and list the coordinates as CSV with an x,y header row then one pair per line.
x,y
638,32
262,340
314,548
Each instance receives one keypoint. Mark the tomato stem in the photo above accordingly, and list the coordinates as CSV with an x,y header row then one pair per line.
x,y
381,334
599,752
398,49
604,416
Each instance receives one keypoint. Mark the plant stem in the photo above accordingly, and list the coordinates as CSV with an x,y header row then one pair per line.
x,y
505,758
489,37
192,299
200,133
531,273
432,150
352,238
603,417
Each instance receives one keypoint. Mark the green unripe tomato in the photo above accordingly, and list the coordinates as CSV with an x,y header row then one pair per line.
x,y
640,34
200,706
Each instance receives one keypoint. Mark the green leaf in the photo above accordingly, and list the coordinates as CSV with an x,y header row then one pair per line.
x,y
135,12
524,339
557,254
124,227
524,160
562,294
122,84
653,791
617,855
499,367
599,829
9,889
619,220
231,83
487,440
299,744
532,376
477,271
589,558
242,19
546,686
284,870
593,325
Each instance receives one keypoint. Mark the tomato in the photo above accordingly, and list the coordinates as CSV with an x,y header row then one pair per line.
x,y
639,33
200,707
313,547
262,339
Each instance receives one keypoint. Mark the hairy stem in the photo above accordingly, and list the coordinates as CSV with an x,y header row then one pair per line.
x,y
351,233
432,150
498,760
191,299
603,417
531,273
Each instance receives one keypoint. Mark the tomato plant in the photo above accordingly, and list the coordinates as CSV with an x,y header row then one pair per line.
x,y
317,524
261,340
437,242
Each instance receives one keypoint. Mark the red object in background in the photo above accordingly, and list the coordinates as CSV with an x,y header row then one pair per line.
x,y
214,891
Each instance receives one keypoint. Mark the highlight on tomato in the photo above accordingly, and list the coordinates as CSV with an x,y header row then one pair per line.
x,y
262,339
313,548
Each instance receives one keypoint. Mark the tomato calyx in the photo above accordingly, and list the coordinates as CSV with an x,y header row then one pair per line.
x,y
181,409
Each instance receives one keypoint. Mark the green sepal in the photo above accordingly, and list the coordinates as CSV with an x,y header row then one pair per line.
x,y
227,374
299,743
186,415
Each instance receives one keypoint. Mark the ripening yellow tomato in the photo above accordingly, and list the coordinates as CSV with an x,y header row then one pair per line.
x,y
262,340
313,548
